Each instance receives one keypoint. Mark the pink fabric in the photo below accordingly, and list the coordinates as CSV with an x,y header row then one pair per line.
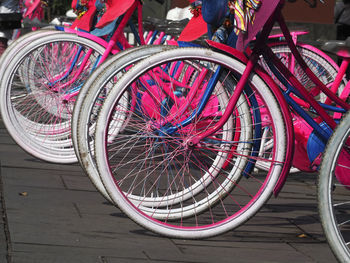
x,y
115,8
342,171
302,133
34,9
74,3
261,16
194,29
3,45
85,22
31,6
197,26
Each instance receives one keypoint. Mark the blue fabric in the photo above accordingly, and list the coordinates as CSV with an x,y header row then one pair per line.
x,y
214,11
108,29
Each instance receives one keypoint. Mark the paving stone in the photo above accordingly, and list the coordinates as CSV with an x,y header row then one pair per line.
x,y
56,215
74,253
3,223
3,241
14,156
247,253
129,260
24,177
78,182
3,257
30,257
320,253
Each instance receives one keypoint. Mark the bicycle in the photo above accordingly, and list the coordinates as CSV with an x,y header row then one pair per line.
x,y
89,100
83,120
188,128
36,114
326,72
47,147
320,63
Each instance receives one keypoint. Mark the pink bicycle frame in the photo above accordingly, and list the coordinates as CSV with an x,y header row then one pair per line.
x,y
111,47
261,47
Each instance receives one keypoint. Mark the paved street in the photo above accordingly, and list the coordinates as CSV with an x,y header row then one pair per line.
x,y
52,213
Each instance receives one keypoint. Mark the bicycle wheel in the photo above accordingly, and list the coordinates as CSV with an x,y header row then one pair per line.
x,y
19,43
220,97
38,91
333,191
90,99
148,158
95,95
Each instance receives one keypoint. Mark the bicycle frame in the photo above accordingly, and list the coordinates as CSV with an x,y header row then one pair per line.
x,y
296,84
295,34
111,47
116,42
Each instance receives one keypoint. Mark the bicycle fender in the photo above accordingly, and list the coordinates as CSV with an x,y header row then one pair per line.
x,y
222,48
86,35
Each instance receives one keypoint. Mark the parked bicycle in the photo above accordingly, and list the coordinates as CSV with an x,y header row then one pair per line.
x,y
48,130
180,132
93,94
43,72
